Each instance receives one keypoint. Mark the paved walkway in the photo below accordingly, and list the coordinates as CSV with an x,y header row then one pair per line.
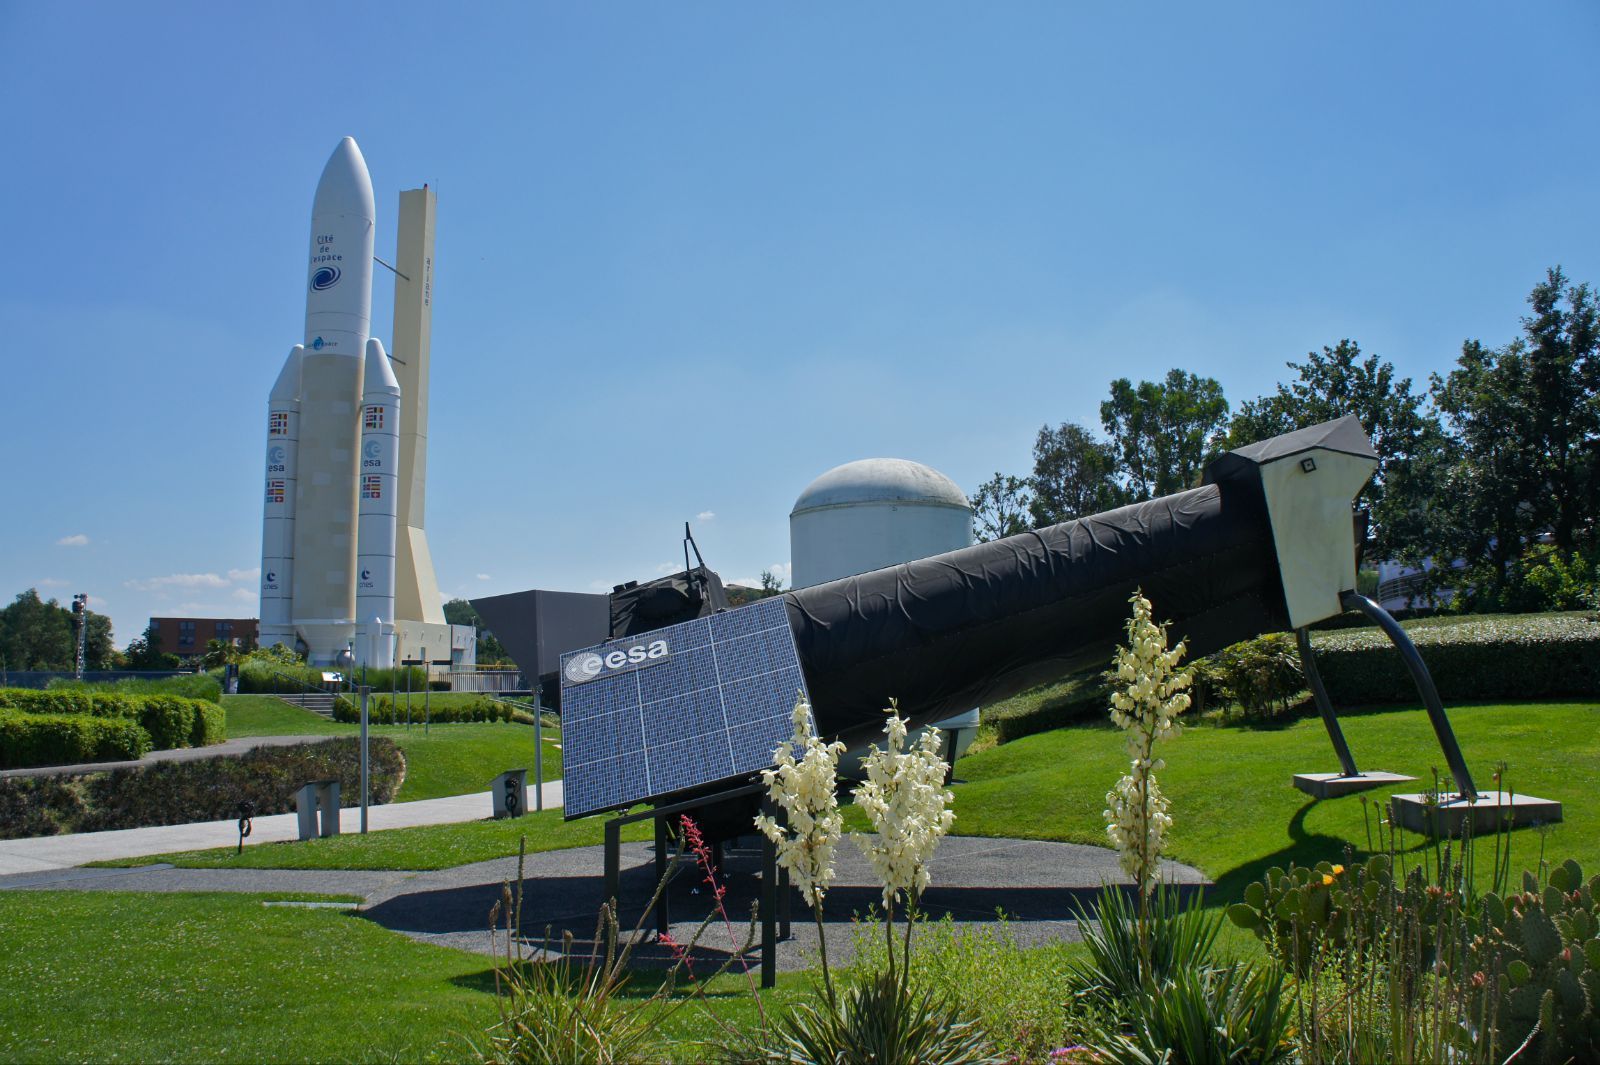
x,y
177,754
1038,886
44,854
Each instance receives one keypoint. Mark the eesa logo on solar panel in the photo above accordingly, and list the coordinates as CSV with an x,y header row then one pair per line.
x,y
588,665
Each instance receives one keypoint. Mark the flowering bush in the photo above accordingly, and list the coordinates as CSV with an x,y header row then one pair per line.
x,y
1147,696
907,805
804,785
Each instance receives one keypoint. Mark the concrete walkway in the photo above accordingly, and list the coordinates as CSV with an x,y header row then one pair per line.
x,y
1038,885
43,854
177,754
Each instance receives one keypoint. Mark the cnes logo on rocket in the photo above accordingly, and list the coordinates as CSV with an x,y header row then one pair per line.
x,y
587,665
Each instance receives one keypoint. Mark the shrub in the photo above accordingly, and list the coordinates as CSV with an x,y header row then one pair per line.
x,y
1261,675
1491,657
170,720
207,789
382,710
64,739
1238,1013
191,686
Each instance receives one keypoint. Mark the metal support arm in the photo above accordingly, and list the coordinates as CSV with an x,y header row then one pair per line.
x,y
1425,687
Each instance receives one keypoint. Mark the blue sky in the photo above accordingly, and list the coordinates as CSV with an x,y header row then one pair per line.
x,y
692,255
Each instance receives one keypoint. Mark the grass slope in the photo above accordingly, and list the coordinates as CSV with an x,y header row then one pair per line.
x,y
429,847
1235,813
442,760
93,976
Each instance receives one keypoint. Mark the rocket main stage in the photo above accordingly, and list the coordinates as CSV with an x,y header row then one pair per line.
x,y
335,486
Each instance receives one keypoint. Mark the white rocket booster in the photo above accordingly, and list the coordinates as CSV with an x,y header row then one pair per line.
x,y
379,511
277,522
338,320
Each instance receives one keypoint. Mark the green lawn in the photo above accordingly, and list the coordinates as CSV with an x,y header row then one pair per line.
x,y
440,760
429,847
113,976
1234,811
92,976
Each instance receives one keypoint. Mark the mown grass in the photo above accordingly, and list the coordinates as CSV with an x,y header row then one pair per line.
x,y
1235,813
441,760
428,847
95,976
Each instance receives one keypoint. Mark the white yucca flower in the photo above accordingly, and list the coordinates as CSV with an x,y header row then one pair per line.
x,y
804,785
1146,698
907,805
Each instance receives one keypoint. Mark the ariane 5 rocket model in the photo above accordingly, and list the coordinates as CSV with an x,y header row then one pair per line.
x,y
328,532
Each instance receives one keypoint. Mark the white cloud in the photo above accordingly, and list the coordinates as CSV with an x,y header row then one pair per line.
x,y
177,580
75,540
483,576
51,582
245,595
251,575
705,515
665,568
599,586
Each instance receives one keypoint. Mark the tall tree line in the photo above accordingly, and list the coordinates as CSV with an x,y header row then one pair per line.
x,y
1496,462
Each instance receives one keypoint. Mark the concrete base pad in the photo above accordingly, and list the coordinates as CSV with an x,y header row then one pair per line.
x,y
1450,812
1333,785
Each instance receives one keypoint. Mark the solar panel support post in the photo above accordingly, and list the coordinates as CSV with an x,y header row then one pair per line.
x,y
1319,693
614,860
663,918
769,902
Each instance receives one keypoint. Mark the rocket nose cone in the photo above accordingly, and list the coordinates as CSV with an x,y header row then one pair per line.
x,y
379,376
345,186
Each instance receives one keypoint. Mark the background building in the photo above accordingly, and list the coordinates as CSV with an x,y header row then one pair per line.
x,y
187,637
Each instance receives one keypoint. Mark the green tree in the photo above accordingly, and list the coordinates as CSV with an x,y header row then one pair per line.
x,y
1073,475
1000,507
36,634
98,650
1524,424
1162,432
1562,341
1413,450
771,583
144,652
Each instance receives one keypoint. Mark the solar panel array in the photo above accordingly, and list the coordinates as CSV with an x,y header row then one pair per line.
x,y
694,703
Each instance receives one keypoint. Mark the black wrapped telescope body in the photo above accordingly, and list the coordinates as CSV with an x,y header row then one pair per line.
x,y
971,627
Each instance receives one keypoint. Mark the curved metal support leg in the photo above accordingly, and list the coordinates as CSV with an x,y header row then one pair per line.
x,y
1347,761
1424,682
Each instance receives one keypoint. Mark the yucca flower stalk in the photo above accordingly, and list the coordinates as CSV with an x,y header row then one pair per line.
x,y
805,786
907,806
1147,696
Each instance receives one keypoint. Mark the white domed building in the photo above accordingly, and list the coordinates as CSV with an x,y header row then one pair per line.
x,y
873,513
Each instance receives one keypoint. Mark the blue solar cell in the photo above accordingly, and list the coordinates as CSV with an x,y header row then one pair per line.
x,y
696,703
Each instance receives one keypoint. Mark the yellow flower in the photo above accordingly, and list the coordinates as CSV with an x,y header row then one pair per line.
x,y
1326,879
1338,869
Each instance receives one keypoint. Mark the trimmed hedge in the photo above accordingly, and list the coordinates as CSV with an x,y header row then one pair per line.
x,y
208,789
192,686
1083,699
382,710
64,739
1532,656
170,720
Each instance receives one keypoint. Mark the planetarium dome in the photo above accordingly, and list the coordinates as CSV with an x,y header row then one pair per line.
x,y
880,481
873,513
